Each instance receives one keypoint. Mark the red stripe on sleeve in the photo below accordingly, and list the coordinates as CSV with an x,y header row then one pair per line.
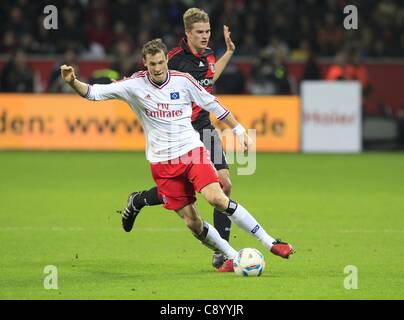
x,y
174,52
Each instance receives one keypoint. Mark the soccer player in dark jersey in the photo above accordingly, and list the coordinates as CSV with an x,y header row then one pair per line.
x,y
193,56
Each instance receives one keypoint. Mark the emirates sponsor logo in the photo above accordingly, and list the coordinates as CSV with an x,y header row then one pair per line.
x,y
163,111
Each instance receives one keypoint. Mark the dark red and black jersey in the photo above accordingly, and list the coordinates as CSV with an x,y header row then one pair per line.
x,y
202,68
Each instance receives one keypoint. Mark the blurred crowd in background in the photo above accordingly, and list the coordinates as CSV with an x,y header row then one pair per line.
x,y
269,32
291,27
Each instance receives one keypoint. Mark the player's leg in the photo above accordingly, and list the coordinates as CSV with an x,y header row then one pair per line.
x,y
136,201
205,232
204,179
179,195
221,222
241,217
149,197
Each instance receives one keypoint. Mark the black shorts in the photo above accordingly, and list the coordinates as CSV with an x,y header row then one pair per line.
x,y
213,144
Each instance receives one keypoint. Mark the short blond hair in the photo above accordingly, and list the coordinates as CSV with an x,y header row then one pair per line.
x,y
194,15
153,47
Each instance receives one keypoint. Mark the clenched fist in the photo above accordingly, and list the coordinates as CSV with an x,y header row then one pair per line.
x,y
67,73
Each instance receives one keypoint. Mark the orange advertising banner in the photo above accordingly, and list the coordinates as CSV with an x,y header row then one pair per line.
x,y
275,119
69,122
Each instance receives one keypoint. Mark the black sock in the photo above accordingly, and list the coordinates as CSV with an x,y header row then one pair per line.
x,y
149,197
222,224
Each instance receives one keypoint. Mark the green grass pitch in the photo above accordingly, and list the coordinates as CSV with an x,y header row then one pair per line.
x,y
337,210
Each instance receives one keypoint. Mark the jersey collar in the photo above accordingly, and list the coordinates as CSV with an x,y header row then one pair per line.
x,y
161,85
186,47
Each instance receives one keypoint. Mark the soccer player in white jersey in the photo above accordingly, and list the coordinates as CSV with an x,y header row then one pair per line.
x,y
162,99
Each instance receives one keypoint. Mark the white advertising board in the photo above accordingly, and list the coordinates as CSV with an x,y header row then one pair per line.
x,y
331,116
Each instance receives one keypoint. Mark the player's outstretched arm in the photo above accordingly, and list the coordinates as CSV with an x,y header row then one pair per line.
x,y
69,77
221,64
96,92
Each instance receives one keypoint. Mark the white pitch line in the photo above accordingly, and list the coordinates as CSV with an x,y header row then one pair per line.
x,y
81,229
372,231
151,229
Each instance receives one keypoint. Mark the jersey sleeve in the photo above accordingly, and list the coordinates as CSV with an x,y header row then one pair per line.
x,y
174,58
116,90
204,99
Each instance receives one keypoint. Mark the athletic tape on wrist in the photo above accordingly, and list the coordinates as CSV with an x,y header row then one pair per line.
x,y
238,130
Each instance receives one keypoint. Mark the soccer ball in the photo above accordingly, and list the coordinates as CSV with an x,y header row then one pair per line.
x,y
249,263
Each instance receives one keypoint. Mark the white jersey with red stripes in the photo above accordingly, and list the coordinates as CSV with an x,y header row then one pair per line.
x,y
164,110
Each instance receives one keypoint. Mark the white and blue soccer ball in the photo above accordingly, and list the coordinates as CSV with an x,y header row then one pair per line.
x,y
249,263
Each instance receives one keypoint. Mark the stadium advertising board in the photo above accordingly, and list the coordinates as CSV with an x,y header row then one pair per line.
x,y
68,122
275,119
331,116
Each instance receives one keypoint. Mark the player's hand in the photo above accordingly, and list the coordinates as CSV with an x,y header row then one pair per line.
x,y
67,73
245,141
229,43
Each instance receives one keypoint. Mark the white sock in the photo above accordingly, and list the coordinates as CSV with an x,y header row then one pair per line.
x,y
214,239
247,222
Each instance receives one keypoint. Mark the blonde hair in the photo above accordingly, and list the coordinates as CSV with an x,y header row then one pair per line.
x,y
153,47
194,15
